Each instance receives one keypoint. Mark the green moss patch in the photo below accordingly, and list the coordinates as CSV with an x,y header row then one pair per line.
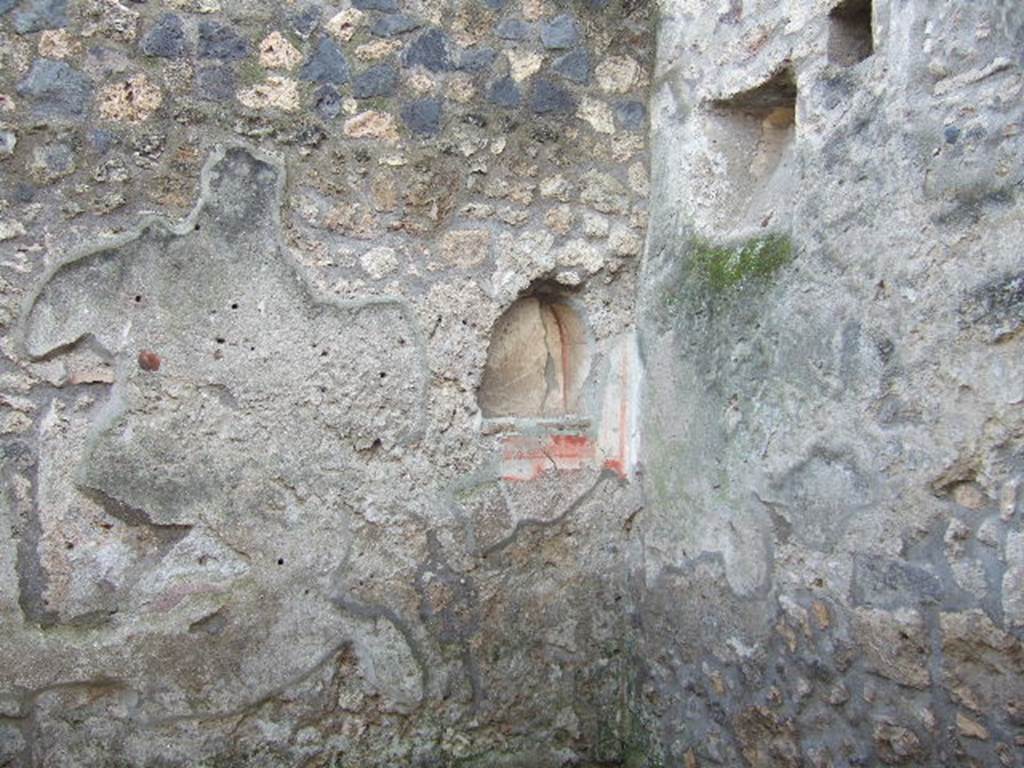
x,y
725,266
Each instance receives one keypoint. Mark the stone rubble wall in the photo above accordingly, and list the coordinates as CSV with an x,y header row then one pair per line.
x,y
511,383
252,256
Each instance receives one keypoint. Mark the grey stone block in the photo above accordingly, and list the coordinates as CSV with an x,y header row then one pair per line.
x,y
504,93
166,38
215,82
549,98
431,50
574,66
423,117
560,32
394,24
219,41
56,90
37,15
379,80
326,64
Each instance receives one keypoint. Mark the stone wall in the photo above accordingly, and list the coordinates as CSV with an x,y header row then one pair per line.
x,y
831,314
253,257
366,401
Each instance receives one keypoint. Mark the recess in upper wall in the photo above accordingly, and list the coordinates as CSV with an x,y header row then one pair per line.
x,y
753,135
850,35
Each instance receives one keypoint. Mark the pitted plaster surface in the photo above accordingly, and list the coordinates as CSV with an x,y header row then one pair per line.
x,y
255,509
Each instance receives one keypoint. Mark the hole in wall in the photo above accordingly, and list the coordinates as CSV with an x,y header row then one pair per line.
x,y
537,361
850,36
752,134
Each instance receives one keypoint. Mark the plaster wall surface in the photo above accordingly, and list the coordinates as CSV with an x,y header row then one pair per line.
x,y
252,258
832,426
739,487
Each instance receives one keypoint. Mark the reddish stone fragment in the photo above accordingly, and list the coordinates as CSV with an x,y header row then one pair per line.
x,y
149,361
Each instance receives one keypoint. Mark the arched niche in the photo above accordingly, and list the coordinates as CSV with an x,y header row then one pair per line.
x,y
537,361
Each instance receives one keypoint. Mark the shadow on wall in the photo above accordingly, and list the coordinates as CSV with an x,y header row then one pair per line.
x,y
850,38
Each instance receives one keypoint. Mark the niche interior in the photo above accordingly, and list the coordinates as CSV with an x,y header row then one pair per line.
x,y
537,362
754,134
850,35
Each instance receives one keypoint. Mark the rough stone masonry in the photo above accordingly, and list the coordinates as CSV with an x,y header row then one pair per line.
x,y
495,383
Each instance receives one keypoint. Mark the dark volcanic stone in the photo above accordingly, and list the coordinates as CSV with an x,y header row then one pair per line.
x,y
101,140
574,66
560,32
631,115
37,15
215,82
394,24
305,22
884,583
55,160
327,101
423,116
24,192
56,90
504,93
103,62
477,59
548,98
379,80
166,39
219,41
513,29
431,51
326,64
388,6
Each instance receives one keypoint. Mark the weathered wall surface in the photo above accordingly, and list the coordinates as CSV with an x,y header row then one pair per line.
x,y
321,392
252,260
831,326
